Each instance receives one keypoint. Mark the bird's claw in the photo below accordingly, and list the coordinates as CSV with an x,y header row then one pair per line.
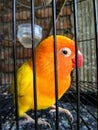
x,y
67,112
62,110
42,121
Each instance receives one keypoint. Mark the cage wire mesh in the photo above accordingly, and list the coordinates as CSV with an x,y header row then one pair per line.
x,y
87,76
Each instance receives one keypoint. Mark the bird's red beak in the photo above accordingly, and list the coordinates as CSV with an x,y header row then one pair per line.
x,y
80,60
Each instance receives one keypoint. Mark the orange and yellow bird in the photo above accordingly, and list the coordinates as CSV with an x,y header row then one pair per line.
x,y
45,83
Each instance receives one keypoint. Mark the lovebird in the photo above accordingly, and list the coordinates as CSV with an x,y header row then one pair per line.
x,y
45,82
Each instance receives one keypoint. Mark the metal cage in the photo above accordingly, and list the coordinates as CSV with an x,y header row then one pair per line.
x,y
76,19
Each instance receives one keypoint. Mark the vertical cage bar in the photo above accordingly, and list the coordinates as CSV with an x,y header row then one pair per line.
x,y
95,5
34,62
55,61
76,52
14,58
0,118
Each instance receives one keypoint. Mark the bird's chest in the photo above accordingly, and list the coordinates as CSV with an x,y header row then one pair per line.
x,y
46,88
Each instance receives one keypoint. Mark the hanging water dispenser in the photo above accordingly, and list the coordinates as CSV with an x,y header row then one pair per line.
x,y
25,37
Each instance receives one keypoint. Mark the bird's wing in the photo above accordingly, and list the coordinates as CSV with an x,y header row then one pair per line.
x,y
24,79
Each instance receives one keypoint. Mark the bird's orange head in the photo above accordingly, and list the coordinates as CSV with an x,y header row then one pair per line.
x,y
65,55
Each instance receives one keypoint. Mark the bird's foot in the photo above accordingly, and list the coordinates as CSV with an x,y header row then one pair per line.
x,y
27,119
40,121
62,110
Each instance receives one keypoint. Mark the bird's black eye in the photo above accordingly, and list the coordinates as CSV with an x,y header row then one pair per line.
x,y
66,52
